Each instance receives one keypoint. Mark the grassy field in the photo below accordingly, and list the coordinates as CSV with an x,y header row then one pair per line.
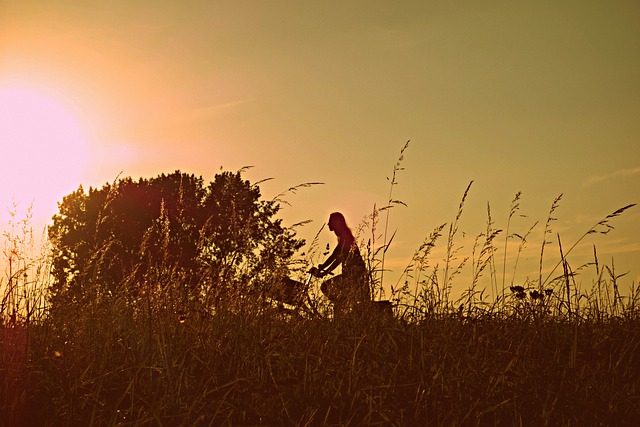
x,y
523,361
549,353
251,366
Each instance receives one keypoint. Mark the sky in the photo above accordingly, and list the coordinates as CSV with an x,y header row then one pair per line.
x,y
541,98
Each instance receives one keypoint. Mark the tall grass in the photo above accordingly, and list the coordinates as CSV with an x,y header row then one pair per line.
x,y
543,352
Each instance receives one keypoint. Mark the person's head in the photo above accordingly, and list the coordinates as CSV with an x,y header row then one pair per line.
x,y
338,224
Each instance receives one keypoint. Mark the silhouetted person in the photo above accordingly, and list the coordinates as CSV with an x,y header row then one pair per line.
x,y
350,288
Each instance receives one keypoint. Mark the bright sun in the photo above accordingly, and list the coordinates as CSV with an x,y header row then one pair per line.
x,y
44,151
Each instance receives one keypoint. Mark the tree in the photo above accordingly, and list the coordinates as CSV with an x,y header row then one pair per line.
x,y
136,237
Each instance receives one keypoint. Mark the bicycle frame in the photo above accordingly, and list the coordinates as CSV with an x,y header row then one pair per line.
x,y
292,295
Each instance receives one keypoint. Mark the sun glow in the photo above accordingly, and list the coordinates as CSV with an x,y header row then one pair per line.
x,y
43,151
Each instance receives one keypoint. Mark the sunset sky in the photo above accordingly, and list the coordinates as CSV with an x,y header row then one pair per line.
x,y
541,97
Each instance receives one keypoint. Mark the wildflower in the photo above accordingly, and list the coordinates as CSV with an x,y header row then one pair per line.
x,y
518,291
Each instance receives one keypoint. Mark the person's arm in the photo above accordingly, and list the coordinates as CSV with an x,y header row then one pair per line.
x,y
331,263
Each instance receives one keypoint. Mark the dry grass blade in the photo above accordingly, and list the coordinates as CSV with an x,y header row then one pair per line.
x,y
594,229
293,190
451,252
390,202
547,231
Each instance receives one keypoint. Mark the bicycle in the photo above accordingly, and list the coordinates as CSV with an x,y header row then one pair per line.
x,y
293,296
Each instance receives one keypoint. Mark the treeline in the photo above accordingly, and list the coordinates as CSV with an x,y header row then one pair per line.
x,y
131,240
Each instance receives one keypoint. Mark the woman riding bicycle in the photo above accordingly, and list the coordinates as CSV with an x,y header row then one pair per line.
x,y
350,288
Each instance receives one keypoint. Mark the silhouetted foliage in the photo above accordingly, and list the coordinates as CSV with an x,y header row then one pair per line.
x,y
212,239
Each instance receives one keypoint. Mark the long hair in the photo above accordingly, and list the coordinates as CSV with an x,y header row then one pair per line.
x,y
339,225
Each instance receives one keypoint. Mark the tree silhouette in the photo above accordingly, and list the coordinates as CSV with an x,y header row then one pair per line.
x,y
215,240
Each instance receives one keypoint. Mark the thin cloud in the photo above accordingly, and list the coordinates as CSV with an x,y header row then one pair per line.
x,y
617,174
202,113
